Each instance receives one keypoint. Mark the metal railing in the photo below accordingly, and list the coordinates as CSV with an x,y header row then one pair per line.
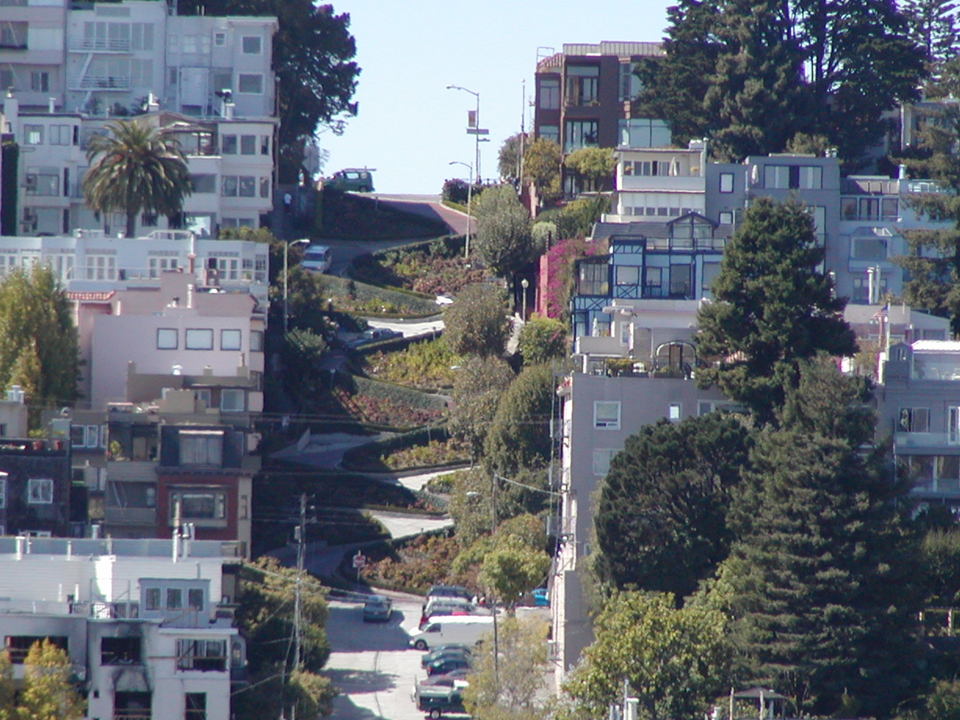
x,y
102,44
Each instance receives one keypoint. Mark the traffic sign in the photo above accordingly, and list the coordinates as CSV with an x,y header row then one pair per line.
x,y
359,561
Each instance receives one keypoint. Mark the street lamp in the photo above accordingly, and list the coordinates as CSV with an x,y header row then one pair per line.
x,y
523,313
475,129
286,249
466,251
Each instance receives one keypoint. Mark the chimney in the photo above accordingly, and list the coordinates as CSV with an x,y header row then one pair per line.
x,y
152,104
190,295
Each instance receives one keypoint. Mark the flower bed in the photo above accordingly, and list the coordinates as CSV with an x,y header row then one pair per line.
x,y
434,453
435,268
384,411
415,566
423,365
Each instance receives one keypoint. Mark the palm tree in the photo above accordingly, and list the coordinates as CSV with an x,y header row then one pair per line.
x,y
138,169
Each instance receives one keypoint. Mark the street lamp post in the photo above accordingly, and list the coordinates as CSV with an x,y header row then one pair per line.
x,y
475,130
286,250
523,300
466,250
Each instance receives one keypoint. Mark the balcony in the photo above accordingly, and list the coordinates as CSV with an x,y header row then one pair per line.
x,y
100,82
926,439
100,45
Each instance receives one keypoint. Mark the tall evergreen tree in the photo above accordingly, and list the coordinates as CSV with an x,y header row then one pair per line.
x,y
661,518
728,66
934,260
821,581
48,693
933,26
773,308
757,98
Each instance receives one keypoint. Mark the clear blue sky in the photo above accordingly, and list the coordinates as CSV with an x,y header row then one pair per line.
x,y
409,127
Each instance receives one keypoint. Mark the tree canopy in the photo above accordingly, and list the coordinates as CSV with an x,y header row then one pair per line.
x,y
476,323
661,520
508,159
541,167
752,74
594,165
134,169
477,387
542,339
820,584
933,263
48,693
503,239
519,436
313,56
38,340
772,309
675,661
513,568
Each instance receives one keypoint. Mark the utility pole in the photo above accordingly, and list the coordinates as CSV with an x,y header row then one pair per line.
x,y
496,638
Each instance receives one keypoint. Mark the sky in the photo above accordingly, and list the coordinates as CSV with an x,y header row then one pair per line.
x,y
409,127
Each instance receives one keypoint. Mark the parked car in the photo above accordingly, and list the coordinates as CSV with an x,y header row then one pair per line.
x,y
444,630
375,334
445,606
455,650
377,608
541,597
351,179
439,701
449,591
317,258
454,678
448,665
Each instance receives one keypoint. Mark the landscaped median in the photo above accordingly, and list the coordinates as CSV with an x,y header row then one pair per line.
x,y
387,404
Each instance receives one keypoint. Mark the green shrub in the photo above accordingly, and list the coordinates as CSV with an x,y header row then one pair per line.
x,y
423,365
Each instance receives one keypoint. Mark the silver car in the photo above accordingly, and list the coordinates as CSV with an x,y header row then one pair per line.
x,y
377,608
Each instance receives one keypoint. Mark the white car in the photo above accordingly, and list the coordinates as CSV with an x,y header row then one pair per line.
x,y
317,258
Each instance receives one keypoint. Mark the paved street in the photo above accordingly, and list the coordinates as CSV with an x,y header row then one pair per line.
x,y
409,329
371,664
401,525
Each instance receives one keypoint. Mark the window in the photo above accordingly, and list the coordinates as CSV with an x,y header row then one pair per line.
x,y
40,491
6,78
13,35
33,134
219,39
581,133
673,412
627,275
229,339
248,144
195,706
251,83
152,598
228,145
61,135
201,447
174,598
166,339
247,186
868,248
583,83
3,490
252,44
119,650
91,436
256,341
40,81
19,645
199,339
806,177
601,461
122,494
141,36
549,94
726,217
593,278
710,272
203,655
195,599
203,183
606,414
264,144
232,400
42,183
101,267
914,420
551,133
680,274
629,82
726,182
265,187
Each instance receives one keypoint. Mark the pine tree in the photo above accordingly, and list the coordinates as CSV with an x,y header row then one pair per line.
x,y
933,26
772,309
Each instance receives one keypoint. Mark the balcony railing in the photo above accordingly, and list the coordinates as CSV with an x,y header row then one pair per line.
x,y
100,82
100,45
131,715
925,439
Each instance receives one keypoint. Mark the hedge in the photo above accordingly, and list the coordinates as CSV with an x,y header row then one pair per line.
x,y
411,304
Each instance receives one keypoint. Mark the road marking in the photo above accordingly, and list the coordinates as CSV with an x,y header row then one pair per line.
x,y
376,695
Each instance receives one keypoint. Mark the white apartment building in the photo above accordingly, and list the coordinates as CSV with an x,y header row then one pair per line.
x,y
144,622
209,79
